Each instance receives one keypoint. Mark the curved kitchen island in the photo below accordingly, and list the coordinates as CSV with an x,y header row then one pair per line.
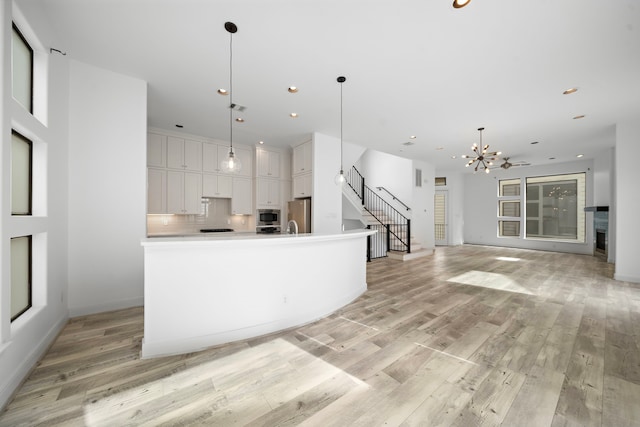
x,y
201,291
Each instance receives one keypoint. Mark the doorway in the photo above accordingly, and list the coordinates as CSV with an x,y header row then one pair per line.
x,y
440,214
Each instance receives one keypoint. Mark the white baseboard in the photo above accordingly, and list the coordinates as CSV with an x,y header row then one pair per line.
x,y
623,278
107,306
20,372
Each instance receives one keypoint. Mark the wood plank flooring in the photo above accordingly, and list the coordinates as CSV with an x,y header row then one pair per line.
x,y
467,337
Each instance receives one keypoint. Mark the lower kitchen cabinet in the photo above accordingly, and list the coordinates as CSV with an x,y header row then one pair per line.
x,y
242,199
184,192
217,186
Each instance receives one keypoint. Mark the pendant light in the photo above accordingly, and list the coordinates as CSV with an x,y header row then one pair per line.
x,y
340,178
231,163
481,157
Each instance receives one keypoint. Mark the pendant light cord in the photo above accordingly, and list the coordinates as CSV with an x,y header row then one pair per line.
x,y
231,92
341,164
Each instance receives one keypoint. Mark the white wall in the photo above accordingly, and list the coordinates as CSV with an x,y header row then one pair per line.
x,y
326,203
602,170
481,207
23,341
107,189
422,205
391,172
627,248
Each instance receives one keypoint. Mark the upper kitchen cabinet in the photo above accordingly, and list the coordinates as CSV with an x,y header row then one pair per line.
x,y
242,200
268,163
156,191
302,160
184,154
214,154
217,186
184,192
156,150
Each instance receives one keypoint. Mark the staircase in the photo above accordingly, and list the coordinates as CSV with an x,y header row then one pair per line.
x,y
393,238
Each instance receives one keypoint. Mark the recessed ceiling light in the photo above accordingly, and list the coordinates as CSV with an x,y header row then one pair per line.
x,y
552,158
580,155
240,120
453,157
179,126
460,3
439,148
412,137
581,116
570,91
535,142
223,91
292,89
408,143
293,115
260,142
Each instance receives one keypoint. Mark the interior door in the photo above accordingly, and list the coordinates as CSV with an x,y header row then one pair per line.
x,y
440,218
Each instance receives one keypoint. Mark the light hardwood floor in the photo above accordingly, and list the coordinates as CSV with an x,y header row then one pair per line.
x,y
470,336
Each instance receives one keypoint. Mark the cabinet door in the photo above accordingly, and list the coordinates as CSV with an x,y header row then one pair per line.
x,y
192,193
268,193
216,186
175,192
244,155
302,158
268,163
156,150
175,152
192,155
302,185
156,191
241,202
210,161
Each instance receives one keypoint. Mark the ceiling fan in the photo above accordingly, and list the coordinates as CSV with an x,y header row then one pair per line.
x,y
507,164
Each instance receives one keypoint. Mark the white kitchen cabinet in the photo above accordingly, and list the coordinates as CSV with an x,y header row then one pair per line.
x,y
217,185
302,158
212,157
156,150
303,185
242,199
184,154
268,163
156,191
244,155
184,192
268,193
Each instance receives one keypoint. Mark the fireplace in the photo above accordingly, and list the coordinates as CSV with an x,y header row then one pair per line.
x,y
600,229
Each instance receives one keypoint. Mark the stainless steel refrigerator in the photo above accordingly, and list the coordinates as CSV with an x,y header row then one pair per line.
x,y
300,212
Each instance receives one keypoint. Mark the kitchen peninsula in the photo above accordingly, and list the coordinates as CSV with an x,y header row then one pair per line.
x,y
201,291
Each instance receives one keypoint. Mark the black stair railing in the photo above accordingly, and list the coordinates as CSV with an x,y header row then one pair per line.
x,y
396,226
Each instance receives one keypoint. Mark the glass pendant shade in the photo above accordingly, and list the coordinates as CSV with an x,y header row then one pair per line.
x,y
231,163
340,178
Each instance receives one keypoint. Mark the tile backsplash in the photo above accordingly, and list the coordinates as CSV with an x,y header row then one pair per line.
x,y
216,213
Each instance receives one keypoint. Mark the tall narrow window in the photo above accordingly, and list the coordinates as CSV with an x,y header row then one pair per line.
x,y
20,276
555,207
21,182
509,212
22,70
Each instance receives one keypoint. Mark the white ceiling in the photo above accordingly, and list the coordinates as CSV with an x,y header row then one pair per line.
x,y
413,67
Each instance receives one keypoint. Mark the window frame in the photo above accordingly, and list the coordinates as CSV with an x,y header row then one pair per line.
x,y
29,278
31,69
581,194
30,189
503,219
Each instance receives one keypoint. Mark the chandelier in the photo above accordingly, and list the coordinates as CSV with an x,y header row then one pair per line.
x,y
482,158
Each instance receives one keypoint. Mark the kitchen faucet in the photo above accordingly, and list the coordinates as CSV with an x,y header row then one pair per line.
x,y
291,223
